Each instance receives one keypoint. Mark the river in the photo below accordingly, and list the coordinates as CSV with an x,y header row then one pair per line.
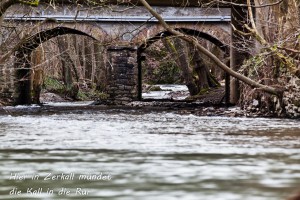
x,y
124,154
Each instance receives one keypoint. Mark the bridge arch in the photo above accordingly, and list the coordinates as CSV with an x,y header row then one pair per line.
x,y
221,44
22,65
204,35
219,34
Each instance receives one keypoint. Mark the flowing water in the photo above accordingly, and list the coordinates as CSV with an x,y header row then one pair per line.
x,y
120,154
165,92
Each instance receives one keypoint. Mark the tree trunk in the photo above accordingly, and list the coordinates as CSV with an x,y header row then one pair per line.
x,y
37,74
100,72
205,79
76,43
93,62
73,56
67,66
176,47
81,54
88,60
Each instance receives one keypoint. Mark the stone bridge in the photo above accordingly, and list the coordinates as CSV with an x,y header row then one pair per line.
x,y
126,31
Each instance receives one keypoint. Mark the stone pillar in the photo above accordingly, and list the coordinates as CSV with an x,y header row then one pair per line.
x,y
122,72
238,53
22,93
140,59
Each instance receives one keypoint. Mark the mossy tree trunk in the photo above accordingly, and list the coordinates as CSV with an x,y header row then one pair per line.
x,y
204,78
180,51
194,71
37,74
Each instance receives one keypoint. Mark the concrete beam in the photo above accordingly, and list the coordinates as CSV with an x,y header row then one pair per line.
x,y
116,13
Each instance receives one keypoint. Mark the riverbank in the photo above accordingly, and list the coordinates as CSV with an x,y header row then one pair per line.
x,y
198,108
170,98
178,107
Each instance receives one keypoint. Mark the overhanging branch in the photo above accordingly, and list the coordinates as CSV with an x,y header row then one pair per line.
x,y
203,50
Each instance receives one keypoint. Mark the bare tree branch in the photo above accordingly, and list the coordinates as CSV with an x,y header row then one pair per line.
x,y
195,42
245,5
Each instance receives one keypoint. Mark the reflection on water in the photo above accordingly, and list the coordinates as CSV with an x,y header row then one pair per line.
x,y
125,155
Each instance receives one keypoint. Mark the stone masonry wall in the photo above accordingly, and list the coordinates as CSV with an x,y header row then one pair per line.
x,y
291,97
122,74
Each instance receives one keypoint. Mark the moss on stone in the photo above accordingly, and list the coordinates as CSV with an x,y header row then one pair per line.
x,y
53,85
154,88
203,91
30,2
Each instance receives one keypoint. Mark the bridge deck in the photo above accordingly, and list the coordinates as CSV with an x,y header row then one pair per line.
x,y
117,13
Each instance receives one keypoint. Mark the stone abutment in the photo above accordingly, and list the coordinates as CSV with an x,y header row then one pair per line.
x,y
122,71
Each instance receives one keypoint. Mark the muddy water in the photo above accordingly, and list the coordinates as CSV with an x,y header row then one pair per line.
x,y
134,155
